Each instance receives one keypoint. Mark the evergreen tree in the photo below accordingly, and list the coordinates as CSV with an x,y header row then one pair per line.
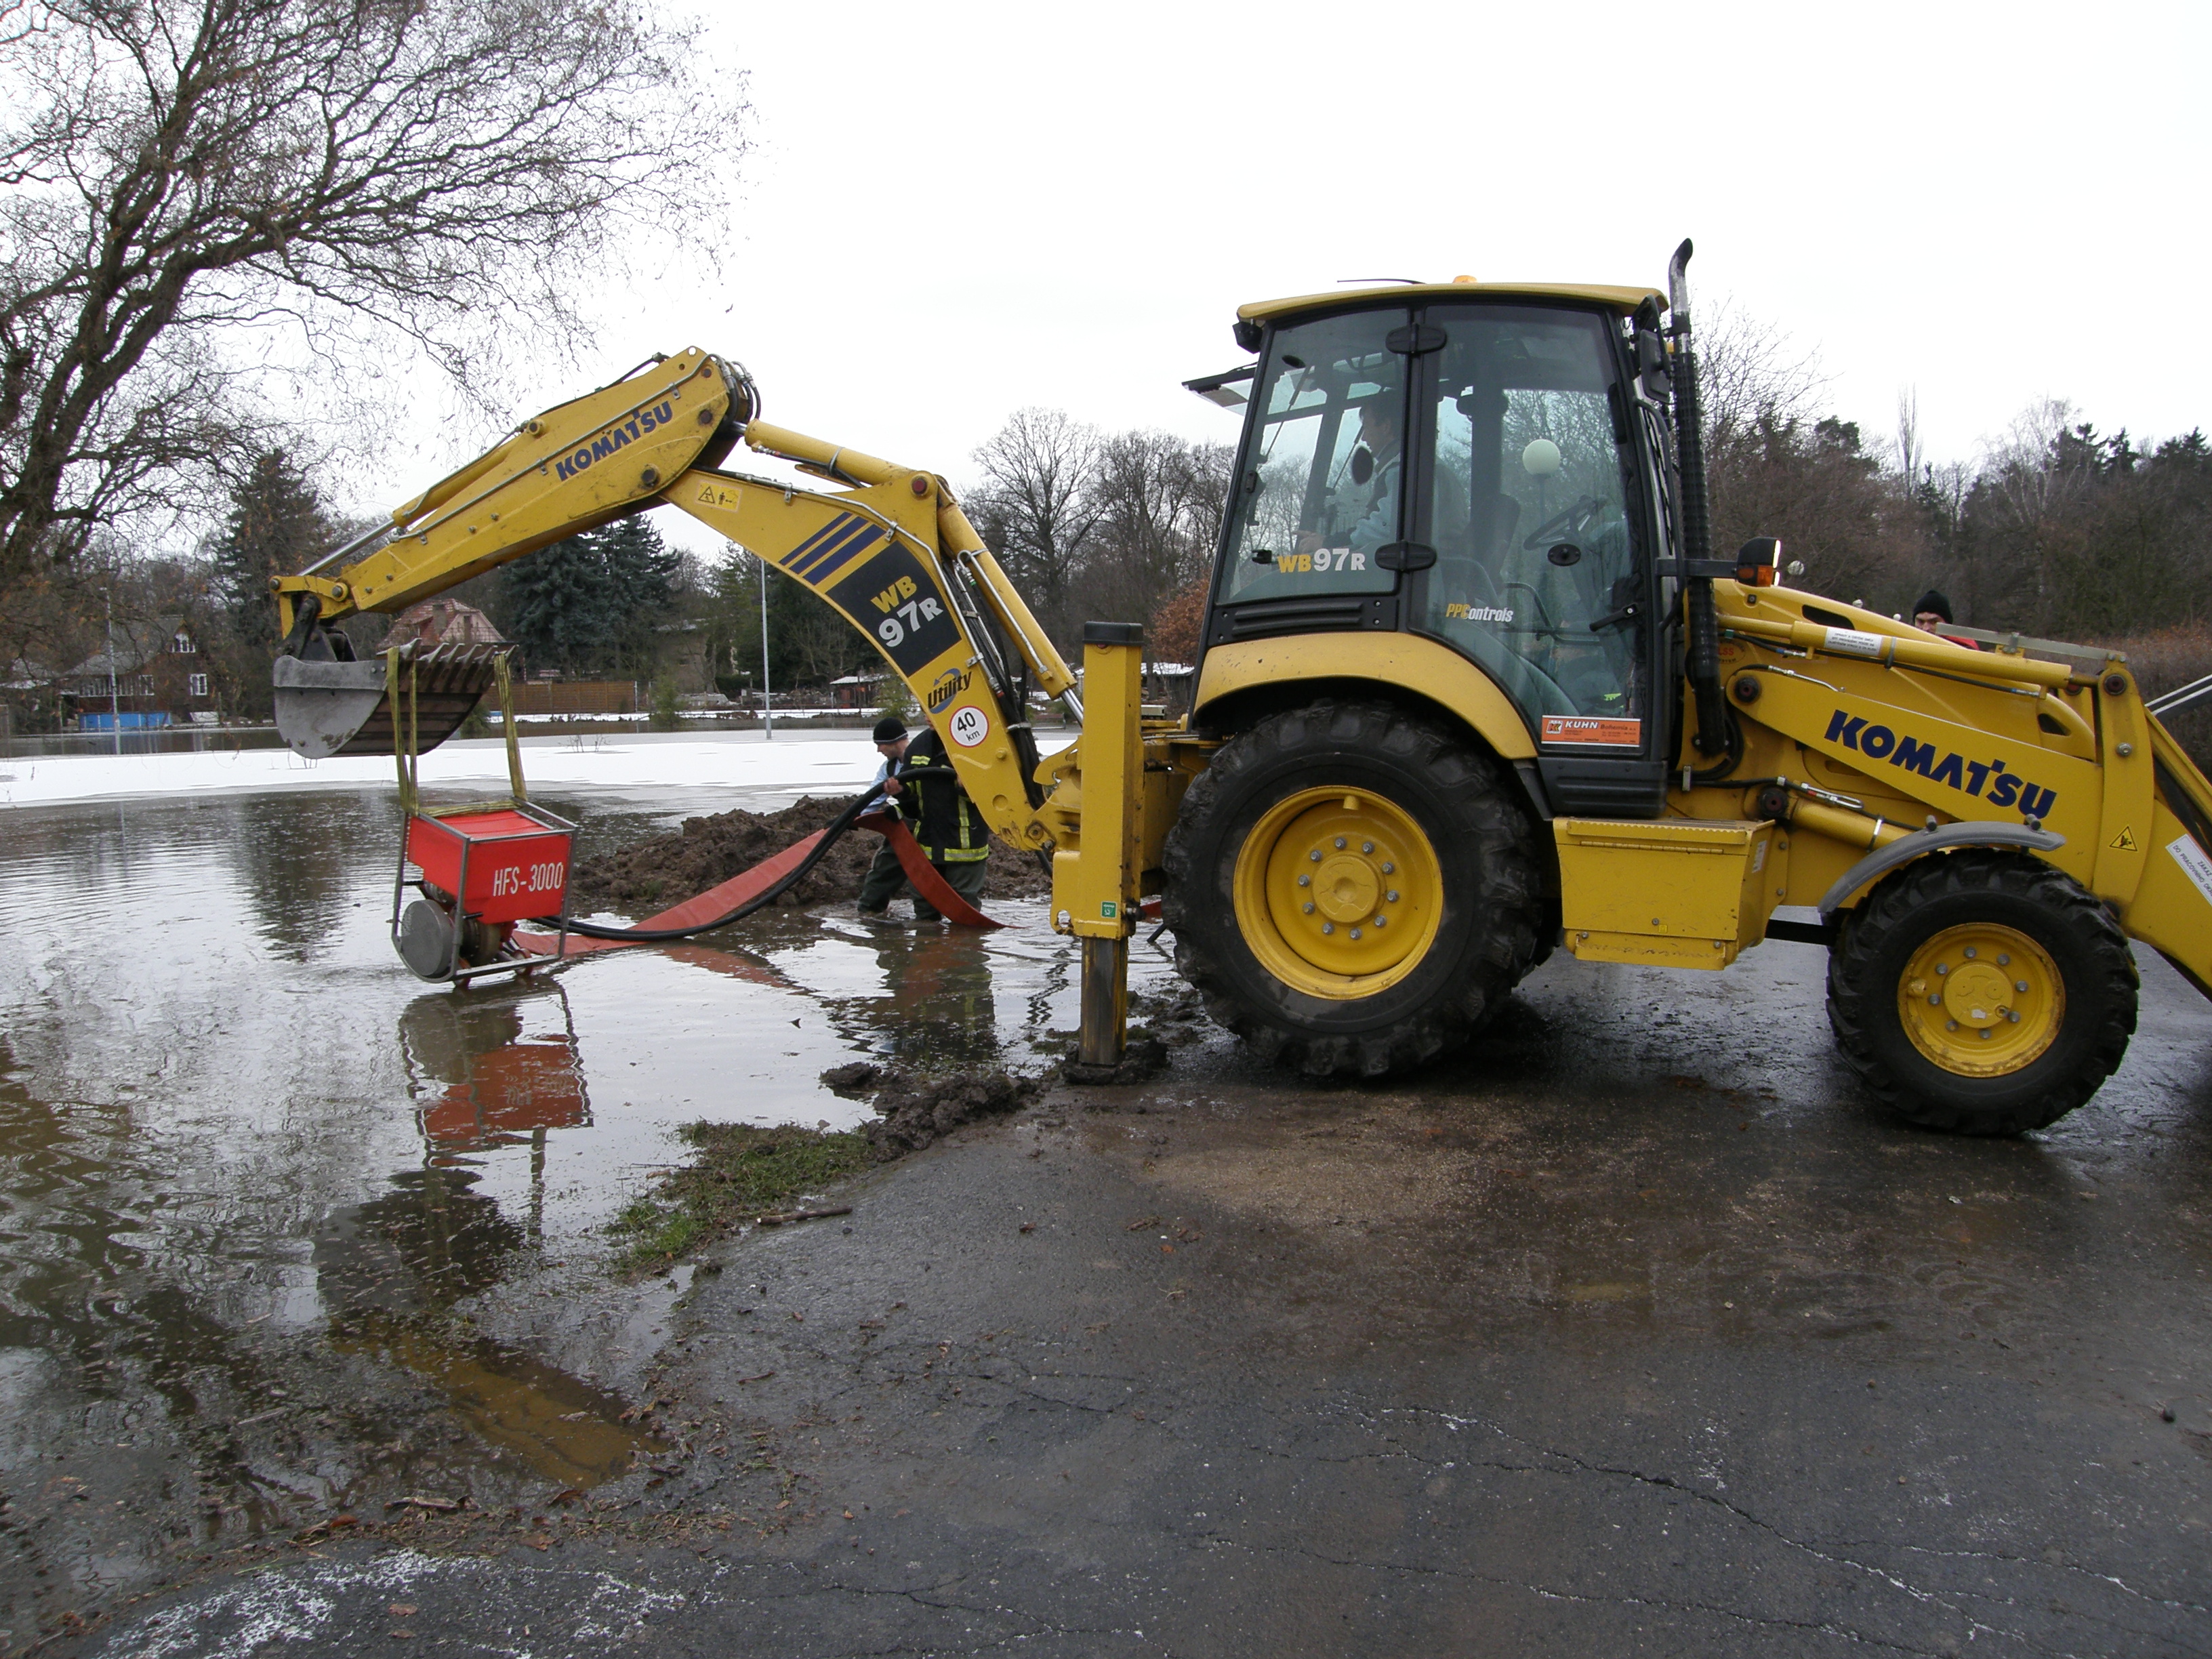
x,y
595,603
559,608
640,572
276,527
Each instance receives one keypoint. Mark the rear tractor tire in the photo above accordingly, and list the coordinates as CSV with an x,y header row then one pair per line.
x,y
1982,993
1353,889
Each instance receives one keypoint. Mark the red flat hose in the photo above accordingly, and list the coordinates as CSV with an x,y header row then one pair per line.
x,y
716,906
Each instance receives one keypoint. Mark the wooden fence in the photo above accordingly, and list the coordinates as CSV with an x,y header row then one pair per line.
x,y
577,697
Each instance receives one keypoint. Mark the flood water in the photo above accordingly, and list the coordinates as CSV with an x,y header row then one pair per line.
x,y
281,1224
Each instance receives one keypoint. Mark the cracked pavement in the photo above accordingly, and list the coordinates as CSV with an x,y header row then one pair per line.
x,y
1634,1330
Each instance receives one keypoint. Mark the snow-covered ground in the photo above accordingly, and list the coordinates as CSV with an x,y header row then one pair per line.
x,y
738,761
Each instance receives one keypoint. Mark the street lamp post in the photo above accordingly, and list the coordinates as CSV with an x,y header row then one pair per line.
x,y
768,697
114,693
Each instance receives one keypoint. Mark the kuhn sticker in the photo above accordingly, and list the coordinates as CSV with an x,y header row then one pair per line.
x,y
2194,864
969,726
1599,730
1987,780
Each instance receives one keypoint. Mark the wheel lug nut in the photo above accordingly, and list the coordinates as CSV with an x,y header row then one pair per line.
x,y
1934,1000
1970,953
2012,1014
1307,910
1388,868
1391,897
2020,985
1315,855
1943,967
1985,1034
1355,932
1305,881
1340,843
2004,962
1382,921
1950,1024
1366,845
1328,928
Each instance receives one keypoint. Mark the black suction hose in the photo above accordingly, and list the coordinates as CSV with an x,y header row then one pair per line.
x,y
830,835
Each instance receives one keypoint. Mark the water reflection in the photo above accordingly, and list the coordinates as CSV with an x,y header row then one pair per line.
x,y
259,1188
391,1272
480,1082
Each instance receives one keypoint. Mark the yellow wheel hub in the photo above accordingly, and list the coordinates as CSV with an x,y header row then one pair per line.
x,y
1981,1000
1338,893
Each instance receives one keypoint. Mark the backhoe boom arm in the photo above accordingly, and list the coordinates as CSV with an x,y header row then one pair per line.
x,y
890,549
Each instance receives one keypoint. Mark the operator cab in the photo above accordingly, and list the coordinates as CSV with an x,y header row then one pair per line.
x,y
1473,464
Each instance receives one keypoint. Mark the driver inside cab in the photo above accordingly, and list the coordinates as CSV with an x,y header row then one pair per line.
x,y
1367,501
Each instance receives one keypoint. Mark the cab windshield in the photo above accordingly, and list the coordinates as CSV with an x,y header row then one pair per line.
x,y
1323,477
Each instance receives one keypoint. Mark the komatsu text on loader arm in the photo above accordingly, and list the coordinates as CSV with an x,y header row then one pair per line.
x,y
1472,687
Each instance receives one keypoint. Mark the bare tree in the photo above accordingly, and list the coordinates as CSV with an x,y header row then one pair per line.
x,y
1038,506
1749,372
324,179
1159,500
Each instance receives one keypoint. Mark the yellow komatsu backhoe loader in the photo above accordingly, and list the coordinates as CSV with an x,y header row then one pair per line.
x,y
1472,687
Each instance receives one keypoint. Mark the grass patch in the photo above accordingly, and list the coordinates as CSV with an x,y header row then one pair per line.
x,y
737,1172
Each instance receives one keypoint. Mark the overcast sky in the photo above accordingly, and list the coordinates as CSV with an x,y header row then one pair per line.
x,y
954,210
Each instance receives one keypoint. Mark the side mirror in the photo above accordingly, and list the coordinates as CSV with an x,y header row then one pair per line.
x,y
1755,561
1651,364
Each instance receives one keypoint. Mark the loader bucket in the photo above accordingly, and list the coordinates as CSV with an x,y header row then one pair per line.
x,y
325,708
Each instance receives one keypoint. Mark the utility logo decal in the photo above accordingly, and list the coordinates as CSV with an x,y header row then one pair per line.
x,y
1987,780
614,438
950,684
1476,613
1602,732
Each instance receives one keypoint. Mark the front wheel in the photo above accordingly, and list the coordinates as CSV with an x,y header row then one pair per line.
x,y
1982,993
1351,888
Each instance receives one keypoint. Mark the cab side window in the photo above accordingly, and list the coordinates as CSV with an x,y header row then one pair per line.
x,y
1324,482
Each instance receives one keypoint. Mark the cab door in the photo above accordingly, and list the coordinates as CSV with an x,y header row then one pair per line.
x,y
1528,488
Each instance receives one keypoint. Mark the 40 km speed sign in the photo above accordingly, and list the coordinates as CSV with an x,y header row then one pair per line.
x,y
969,726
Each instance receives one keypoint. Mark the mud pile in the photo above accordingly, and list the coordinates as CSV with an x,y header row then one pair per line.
x,y
668,869
912,1113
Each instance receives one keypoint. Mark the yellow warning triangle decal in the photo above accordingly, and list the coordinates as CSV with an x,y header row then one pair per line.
x,y
2124,841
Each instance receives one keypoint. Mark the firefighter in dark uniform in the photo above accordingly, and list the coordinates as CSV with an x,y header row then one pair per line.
x,y
928,799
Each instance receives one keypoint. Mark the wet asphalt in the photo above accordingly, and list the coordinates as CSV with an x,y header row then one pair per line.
x,y
1636,1328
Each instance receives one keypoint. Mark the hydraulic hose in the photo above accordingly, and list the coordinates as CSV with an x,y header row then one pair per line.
x,y
832,834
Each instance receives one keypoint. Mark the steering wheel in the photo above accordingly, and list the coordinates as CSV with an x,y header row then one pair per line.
x,y
1573,515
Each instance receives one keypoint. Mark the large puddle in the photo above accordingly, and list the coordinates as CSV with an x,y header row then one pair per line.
x,y
260,1188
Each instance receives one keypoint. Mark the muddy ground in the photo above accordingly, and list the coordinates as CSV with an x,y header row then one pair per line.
x,y
706,851
1636,1330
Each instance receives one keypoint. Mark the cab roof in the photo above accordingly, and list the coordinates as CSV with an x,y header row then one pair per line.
x,y
1620,301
